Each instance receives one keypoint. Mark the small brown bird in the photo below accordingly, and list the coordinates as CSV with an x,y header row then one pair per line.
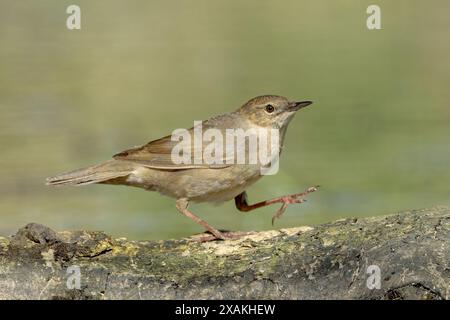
x,y
152,166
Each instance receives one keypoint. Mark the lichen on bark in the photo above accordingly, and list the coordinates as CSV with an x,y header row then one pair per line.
x,y
329,261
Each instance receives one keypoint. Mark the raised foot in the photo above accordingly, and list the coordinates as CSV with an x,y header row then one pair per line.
x,y
290,199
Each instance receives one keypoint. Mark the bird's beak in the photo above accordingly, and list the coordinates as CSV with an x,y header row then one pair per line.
x,y
297,105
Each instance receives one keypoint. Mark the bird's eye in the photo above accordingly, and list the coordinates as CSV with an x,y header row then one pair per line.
x,y
269,108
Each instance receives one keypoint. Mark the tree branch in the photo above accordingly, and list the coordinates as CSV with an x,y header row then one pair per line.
x,y
411,250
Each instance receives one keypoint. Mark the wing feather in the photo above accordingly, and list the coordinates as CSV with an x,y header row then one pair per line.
x,y
157,154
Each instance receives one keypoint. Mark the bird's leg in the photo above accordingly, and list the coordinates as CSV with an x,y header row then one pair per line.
x,y
242,204
182,205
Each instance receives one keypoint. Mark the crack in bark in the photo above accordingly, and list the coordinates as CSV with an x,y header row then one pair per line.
x,y
395,293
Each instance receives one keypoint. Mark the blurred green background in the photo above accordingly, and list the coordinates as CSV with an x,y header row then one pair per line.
x,y
377,138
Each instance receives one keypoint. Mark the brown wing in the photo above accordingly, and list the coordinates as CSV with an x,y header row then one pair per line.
x,y
157,154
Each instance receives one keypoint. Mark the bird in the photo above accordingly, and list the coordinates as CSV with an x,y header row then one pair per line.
x,y
153,166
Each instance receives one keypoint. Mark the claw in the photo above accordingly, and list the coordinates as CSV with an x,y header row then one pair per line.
x,y
279,212
225,235
312,189
295,198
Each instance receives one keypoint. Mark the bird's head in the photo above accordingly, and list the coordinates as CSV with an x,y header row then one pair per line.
x,y
271,111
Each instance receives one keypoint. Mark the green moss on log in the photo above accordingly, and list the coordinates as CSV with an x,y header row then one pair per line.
x,y
329,261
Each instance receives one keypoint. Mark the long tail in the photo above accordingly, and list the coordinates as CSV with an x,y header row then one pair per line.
x,y
103,172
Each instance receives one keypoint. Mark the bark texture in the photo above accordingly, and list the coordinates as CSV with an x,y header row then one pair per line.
x,y
411,251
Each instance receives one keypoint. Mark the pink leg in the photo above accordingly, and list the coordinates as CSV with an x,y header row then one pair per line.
x,y
242,205
182,205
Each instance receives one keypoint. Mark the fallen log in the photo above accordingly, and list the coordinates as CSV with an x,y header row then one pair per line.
x,y
401,256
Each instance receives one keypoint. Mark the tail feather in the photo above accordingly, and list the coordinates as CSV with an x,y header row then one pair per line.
x,y
96,174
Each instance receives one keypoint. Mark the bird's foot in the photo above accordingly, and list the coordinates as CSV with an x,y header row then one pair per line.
x,y
219,235
290,199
